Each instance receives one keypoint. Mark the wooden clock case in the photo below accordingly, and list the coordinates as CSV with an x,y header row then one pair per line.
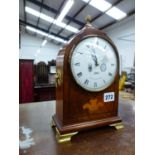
x,y
76,108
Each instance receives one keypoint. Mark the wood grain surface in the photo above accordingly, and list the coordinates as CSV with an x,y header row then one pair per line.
x,y
101,141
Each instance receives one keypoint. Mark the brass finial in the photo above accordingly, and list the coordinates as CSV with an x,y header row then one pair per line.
x,y
88,19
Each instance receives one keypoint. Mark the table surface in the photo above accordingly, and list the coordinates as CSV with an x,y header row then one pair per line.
x,y
100,141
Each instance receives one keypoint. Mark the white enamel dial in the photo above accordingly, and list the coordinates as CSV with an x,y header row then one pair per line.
x,y
94,64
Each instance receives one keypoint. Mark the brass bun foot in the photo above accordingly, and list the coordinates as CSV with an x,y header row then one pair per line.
x,y
64,137
117,126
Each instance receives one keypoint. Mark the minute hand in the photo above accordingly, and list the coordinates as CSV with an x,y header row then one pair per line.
x,y
94,57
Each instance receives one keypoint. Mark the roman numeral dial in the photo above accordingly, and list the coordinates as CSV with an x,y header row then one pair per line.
x,y
77,64
93,64
79,74
95,84
86,82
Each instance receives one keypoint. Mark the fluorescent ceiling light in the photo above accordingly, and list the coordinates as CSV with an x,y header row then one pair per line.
x,y
60,40
51,36
65,10
50,19
44,42
116,13
65,26
57,39
101,5
86,1
70,28
42,33
45,34
38,14
32,11
36,31
31,29
47,18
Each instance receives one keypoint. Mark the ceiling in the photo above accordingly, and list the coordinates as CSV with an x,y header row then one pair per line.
x,y
75,17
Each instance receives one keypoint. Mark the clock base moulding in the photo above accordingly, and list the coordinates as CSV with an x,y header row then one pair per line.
x,y
64,133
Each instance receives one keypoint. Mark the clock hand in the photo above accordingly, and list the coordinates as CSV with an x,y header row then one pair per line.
x,y
94,57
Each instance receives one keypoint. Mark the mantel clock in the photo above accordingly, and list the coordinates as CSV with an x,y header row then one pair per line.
x,y
87,81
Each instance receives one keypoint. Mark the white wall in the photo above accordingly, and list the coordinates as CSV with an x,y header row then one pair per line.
x,y
123,34
29,46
